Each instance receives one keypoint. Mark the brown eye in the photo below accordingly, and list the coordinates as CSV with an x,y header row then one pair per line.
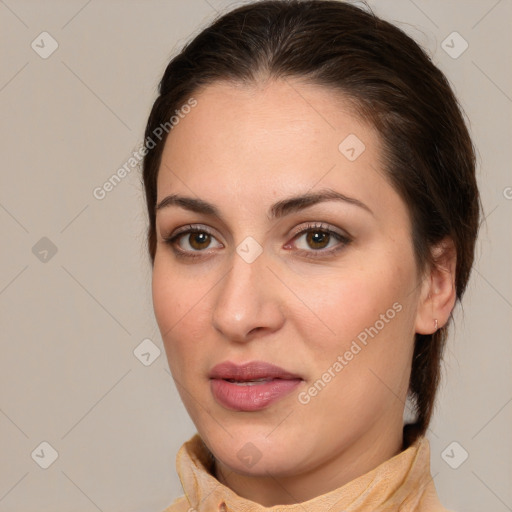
x,y
199,241
318,239
192,241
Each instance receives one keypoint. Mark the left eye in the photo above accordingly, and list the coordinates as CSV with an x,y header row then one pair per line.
x,y
319,239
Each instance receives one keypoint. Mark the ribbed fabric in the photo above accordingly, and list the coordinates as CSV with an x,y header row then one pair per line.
x,y
402,483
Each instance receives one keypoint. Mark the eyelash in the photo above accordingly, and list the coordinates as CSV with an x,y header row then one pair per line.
x,y
310,227
187,230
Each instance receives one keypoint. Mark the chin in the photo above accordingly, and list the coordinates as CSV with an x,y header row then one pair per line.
x,y
251,451
277,465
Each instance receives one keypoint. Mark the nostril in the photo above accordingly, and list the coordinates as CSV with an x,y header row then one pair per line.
x,y
222,507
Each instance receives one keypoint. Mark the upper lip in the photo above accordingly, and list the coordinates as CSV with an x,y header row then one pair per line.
x,y
250,371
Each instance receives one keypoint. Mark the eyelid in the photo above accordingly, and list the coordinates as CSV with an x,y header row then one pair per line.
x,y
321,226
190,227
173,237
343,238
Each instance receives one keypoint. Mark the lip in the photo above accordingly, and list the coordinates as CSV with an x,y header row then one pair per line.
x,y
250,371
275,384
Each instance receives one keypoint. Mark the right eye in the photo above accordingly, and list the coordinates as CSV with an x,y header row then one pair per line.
x,y
192,239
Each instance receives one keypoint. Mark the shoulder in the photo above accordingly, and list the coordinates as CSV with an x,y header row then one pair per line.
x,y
179,505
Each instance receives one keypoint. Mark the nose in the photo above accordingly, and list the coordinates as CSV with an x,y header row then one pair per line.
x,y
248,302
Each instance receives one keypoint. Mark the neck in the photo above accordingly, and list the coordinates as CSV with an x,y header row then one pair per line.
x,y
357,459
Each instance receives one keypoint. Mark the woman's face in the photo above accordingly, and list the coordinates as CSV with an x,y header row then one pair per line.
x,y
325,288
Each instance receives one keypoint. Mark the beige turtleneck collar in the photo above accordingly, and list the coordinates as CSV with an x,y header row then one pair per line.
x,y
402,483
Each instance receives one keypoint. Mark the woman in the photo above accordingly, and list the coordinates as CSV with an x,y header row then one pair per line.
x,y
313,210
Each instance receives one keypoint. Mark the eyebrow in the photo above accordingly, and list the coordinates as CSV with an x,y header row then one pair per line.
x,y
279,209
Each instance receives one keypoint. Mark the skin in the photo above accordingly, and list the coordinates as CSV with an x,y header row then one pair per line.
x,y
244,148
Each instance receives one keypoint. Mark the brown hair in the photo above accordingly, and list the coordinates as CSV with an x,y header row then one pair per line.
x,y
428,154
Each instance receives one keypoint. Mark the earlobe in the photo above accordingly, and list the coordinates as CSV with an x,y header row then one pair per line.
x,y
439,293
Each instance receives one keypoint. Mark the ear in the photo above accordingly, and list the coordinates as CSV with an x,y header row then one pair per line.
x,y
438,292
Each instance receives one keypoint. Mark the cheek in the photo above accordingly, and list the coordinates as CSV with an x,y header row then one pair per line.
x,y
347,305
370,315
180,306
167,301
373,318
365,366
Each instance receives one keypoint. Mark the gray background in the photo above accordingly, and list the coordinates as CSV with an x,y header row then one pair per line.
x,y
70,321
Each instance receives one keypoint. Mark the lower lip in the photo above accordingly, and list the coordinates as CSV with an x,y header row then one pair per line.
x,y
251,397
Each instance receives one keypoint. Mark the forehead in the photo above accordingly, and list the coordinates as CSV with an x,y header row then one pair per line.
x,y
269,139
273,115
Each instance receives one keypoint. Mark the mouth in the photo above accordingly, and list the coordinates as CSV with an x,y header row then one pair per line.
x,y
248,382
252,386
250,372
